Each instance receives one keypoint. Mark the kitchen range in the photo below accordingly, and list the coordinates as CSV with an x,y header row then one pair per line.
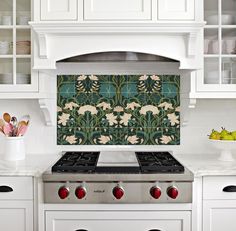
x,y
118,177
118,190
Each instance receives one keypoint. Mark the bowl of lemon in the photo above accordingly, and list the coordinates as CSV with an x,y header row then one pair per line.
x,y
225,141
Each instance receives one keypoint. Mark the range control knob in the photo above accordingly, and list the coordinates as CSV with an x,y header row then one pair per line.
x,y
80,192
172,192
63,192
118,192
155,192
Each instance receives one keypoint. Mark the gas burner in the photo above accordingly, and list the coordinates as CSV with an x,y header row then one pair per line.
x,y
147,162
158,162
77,162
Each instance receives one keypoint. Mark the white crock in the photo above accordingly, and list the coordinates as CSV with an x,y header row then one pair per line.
x,y
14,148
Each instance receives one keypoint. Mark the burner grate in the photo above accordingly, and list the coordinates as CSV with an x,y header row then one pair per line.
x,y
77,162
158,162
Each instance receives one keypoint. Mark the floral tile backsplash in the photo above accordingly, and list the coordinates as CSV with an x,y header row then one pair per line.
x,y
118,110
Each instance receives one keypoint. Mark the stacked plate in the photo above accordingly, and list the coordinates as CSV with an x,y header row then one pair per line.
x,y
4,47
20,78
6,78
23,47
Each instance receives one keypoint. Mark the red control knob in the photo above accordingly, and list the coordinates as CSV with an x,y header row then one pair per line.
x,y
80,192
155,192
172,192
118,192
63,192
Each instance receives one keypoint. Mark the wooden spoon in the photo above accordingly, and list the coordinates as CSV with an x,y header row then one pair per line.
x,y
22,123
7,117
2,123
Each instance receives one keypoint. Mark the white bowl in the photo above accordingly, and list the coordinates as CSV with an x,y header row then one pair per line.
x,y
227,19
22,20
225,148
212,19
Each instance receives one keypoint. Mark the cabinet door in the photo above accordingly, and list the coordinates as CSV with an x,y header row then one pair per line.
x,y
176,10
117,10
219,215
16,215
116,221
59,10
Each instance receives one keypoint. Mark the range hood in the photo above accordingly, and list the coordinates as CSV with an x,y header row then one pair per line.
x,y
181,42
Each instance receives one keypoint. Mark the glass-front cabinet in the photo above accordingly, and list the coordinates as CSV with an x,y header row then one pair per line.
x,y
15,47
219,46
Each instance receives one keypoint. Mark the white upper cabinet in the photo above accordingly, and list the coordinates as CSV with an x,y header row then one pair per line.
x,y
59,10
176,9
117,9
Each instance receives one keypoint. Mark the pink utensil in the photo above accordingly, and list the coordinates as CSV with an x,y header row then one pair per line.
x,y
8,129
21,130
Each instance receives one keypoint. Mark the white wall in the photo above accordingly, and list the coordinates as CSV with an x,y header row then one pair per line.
x,y
207,115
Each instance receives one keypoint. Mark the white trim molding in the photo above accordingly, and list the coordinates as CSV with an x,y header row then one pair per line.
x,y
57,41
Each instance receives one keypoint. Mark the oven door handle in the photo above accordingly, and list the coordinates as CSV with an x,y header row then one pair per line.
x,y
229,188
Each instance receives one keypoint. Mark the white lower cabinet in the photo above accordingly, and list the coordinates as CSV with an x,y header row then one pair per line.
x,y
116,221
16,215
219,203
16,203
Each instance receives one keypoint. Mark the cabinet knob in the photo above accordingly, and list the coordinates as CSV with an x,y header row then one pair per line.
x,y
5,188
229,188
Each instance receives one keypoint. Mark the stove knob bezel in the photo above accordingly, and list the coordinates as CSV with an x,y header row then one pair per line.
x,y
170,194
153,195
118,187
67,190
83,190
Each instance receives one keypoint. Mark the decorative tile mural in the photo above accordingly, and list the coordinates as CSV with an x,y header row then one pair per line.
x,y
118,110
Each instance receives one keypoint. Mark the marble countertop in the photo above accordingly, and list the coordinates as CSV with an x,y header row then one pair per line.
x,y
207,165
33,165
200,165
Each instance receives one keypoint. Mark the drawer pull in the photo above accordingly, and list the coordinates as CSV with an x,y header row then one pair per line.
x,y
154,230
5,188
81,230
230,188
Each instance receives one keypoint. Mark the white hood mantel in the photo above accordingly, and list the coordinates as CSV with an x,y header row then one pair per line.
x,y
57,41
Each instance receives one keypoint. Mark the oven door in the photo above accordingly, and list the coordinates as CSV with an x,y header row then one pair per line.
x,y
118,221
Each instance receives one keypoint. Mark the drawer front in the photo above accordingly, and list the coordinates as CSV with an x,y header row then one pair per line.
x,y
220,187
95,10
116,221
16,188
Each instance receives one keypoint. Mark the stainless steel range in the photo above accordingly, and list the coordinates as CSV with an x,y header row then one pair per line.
x,y
118,177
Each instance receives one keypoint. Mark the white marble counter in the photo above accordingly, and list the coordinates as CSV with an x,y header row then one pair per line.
x,y
206,165
200,165
33,165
